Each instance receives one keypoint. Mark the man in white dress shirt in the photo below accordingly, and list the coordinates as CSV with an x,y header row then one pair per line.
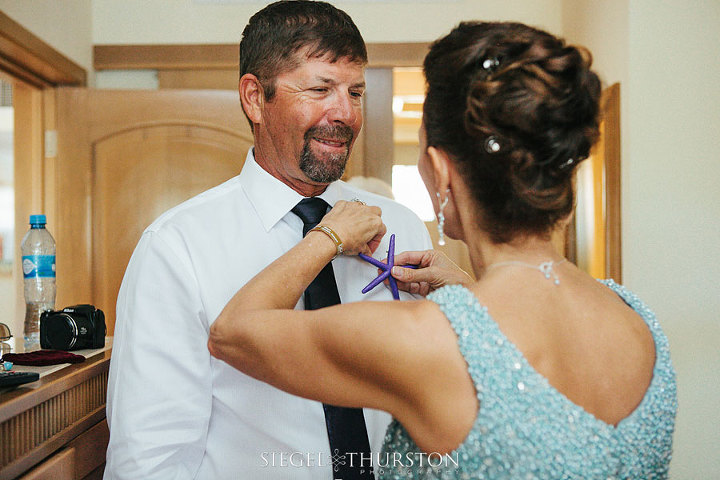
x,y
174,411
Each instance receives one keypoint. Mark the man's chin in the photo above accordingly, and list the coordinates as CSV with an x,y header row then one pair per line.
x,y
325,171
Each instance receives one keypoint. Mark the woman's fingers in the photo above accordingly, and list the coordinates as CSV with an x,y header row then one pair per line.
x,y
359,226
374,243
421,258
434,270
429,275
406,285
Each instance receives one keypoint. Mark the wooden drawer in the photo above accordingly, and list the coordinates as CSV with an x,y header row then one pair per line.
x,y
81,459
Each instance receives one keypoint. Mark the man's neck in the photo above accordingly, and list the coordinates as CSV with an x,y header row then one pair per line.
x,y
301,186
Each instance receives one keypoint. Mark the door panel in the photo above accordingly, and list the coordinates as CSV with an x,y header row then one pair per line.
x,y
140,173
124,157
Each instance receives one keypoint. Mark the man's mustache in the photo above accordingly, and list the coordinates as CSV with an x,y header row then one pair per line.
x,y
337,133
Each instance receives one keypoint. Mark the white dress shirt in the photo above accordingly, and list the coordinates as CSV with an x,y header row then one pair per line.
x,y
174,411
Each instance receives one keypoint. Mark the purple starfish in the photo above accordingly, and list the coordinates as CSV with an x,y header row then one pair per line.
x,y
385,267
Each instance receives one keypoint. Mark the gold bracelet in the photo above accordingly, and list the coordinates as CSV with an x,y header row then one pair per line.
x,y
333,236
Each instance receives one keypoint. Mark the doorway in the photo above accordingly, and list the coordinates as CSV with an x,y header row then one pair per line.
x,y
407,186
7,206
29,72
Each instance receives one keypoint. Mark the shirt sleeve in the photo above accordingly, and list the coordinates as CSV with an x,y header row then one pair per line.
x,y
160,385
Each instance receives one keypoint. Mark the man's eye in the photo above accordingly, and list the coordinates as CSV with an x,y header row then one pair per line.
x,y
357,94
319,89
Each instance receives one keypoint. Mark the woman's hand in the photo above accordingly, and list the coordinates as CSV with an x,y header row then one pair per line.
x,y
359,226
434,270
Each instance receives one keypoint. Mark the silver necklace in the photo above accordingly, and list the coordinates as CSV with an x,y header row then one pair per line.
x,y
546,268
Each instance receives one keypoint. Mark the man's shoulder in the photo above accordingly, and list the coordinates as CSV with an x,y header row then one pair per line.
x,y
205,205
393,209
400,220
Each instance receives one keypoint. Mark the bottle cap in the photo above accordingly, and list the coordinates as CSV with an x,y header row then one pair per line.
x,y
38,220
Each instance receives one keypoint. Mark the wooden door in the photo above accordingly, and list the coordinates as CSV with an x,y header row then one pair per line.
x,y
123,158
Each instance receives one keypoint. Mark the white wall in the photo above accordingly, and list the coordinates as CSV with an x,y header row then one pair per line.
x,y
671,237
665,56
673,200
64,24
602,27
187,21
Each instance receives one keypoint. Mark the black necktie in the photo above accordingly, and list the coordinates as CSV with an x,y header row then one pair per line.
x,y
349,445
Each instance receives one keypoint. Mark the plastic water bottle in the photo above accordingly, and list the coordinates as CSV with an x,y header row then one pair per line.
x,y
38,265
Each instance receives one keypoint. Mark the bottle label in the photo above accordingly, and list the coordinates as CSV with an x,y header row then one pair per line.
x,y
38,266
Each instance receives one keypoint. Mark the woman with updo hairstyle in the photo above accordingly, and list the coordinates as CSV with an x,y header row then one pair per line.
x,y
517,109
532,370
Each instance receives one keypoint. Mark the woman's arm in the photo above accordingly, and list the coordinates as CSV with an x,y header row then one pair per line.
x,y
336,355
400,357
369,354
259,333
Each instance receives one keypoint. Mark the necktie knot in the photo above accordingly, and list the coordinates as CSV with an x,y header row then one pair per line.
x,y
310,211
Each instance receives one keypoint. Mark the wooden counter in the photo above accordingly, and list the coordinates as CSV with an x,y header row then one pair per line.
x,y
55,427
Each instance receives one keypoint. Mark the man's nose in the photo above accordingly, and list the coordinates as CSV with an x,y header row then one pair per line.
x,y
346,109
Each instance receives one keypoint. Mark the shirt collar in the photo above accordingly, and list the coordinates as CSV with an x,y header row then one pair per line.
x,y
270,197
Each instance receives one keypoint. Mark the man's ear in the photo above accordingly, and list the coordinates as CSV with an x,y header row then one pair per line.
x,y
252,97
441,169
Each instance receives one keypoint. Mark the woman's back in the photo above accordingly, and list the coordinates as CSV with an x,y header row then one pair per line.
x,y
579,335
529,425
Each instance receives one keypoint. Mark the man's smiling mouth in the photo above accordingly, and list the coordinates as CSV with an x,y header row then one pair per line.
x,y
331,143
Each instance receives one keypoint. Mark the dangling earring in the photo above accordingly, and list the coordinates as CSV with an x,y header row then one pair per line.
x,y
441,217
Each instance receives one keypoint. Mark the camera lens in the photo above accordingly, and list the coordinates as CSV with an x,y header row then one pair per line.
x,y
62,331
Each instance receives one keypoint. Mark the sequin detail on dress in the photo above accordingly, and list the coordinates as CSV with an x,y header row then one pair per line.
x,y
525,428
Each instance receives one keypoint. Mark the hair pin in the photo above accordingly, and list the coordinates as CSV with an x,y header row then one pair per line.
x,y
492,145
567,164
490,64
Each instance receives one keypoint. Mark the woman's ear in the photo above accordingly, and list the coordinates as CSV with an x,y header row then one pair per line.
x,y
441,168
252,97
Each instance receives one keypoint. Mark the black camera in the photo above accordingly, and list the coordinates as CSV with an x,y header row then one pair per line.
x,y
73,328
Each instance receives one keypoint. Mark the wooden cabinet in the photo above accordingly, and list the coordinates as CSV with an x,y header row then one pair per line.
x,y
55,428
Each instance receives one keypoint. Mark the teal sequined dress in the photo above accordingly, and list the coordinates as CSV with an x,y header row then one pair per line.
x,y
525,429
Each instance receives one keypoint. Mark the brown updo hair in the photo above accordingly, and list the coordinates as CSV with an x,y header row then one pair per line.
x,y
516,109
